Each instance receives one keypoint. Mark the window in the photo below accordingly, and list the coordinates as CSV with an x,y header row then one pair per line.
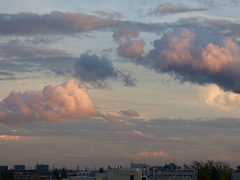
x,y
131,177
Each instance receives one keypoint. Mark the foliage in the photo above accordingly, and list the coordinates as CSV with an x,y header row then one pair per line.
x,y
63,173
211,170
56,174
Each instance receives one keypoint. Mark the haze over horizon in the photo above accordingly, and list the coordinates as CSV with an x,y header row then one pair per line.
x,y
109,82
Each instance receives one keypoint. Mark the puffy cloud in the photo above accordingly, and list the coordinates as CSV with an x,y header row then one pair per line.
x,y
96,69
54,23
169,8
125,37
195,59
158,154
216,97
137,134
66,101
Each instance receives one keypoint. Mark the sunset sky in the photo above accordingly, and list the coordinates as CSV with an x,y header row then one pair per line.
x,y
109,82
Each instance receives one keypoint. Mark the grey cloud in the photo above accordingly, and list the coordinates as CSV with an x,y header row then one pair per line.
x,y
96,70
10,50
127,79
54,23
222,27
112,15
130,113
218,123
169,8
92,68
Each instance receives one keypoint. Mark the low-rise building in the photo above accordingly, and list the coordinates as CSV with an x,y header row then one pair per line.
x,y
19,168
124,174
172,172
143,166
235,175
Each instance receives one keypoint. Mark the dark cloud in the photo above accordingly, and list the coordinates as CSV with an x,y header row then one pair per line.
x,y
54,23
94,69
97,69
197,56
127,79
130,113
169,8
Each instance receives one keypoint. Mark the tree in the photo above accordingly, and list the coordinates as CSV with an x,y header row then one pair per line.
x,y
56,174
63,173
211,170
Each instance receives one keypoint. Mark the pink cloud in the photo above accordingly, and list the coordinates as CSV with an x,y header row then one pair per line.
x,y
77,155
197,56
175,139
66,101
129,46
157,154
137,134
10,137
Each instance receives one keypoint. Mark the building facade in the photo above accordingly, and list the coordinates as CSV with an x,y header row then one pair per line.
x,y
124,174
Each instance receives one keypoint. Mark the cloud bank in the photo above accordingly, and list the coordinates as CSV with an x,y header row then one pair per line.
x,y
66,101
55,22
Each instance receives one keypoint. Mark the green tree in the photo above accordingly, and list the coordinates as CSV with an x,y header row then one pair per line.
x,y
211,170
56,174
63,173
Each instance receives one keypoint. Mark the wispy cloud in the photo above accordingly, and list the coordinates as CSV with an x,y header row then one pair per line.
x,y
137,134
77,155
158,154
14,138
169,8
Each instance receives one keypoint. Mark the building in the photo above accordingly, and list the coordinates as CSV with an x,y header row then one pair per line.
x,y
124,174
83,178
42,169
3,168
143,166
171,172
19,168
235,175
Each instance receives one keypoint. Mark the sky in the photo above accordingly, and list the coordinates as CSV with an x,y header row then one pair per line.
x,y
98,83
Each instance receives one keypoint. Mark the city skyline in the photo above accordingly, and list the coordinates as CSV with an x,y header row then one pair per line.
x,y
107,83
